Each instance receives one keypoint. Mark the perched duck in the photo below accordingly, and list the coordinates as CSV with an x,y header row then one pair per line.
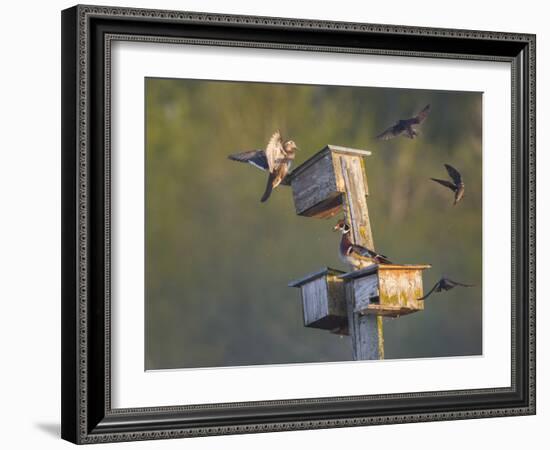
x,y
444,284
276,159
457,185
356,255
405,127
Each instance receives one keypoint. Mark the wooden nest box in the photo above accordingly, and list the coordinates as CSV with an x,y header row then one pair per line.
x,y
320,184
385,290
354,303
323,300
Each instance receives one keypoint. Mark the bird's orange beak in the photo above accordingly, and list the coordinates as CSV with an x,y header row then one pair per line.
x,y
336,227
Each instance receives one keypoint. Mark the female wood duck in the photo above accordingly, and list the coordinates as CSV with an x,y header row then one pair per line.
x,y
276,159
356,255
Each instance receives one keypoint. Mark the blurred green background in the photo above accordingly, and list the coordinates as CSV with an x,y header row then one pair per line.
x,y
218,261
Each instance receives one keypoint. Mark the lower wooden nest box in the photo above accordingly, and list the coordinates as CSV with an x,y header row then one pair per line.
x,y
323,299
389,290
386,289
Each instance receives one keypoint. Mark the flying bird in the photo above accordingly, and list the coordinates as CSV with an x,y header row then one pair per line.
x,y
406,127
275,159
457,185
353,254
444,284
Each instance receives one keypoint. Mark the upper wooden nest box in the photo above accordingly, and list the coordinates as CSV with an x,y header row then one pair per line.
x,y
386,290
323,300
318,183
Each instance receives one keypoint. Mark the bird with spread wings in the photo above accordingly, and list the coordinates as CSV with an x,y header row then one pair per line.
x,y
457,185
444,284
275,159
406,127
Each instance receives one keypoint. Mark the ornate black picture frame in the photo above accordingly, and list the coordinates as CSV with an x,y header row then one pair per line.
x,y
87,34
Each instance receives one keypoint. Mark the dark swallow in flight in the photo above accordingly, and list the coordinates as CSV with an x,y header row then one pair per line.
x,y
405,127
457,185
275,159
444,284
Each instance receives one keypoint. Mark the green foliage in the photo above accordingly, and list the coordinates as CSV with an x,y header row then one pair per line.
x,y
218,261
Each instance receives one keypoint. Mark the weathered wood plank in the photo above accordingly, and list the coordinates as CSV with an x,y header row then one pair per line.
x,y
348,150
353,179
366,331
365,289
315,300
325,209
337,303
401,288
314,185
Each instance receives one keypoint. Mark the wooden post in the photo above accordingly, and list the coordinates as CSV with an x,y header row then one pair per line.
x,y
352,180
366,331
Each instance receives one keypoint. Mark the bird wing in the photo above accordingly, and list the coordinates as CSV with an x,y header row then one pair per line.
x,y
456,283
390,133
436,285
363,251
255,157
368,253
454,174
274,151
444,183
421,116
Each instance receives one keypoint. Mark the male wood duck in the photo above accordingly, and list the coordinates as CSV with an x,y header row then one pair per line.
x,y
276,159
356,255
406,127
457,185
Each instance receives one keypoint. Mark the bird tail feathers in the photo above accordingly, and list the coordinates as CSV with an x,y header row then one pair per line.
x,y
383,260
268,188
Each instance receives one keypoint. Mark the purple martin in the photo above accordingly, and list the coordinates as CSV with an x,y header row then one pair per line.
x,y
406,127
457,185
444,284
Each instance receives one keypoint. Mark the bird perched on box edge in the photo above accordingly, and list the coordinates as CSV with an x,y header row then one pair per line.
x,y
353,254
457,185
406,127
444,284
276,159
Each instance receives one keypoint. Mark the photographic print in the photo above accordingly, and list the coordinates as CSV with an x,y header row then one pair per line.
x,y
291,223
272,204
